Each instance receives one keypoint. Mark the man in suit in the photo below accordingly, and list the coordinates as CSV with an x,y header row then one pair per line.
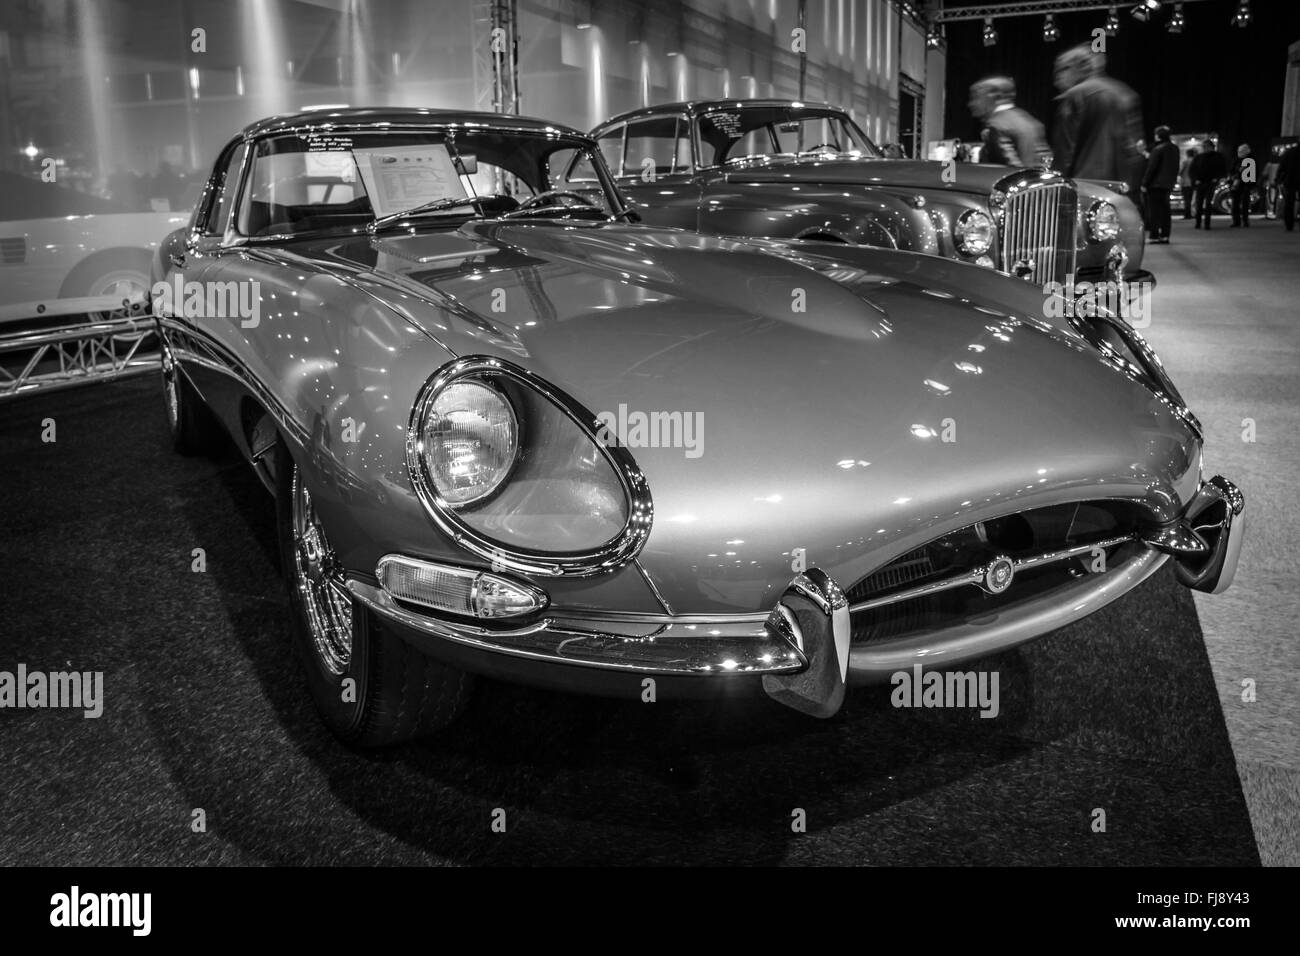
x,y
1098,122
1207,169
1010,136
1158,183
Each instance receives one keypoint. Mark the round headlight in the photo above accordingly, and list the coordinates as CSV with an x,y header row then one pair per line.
x,y
973,232
1103,221
469,439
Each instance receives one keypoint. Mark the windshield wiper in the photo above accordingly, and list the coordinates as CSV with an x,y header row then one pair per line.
x,y
435,205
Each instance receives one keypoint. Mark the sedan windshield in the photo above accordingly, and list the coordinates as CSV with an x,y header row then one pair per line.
x,y
767,133
330,180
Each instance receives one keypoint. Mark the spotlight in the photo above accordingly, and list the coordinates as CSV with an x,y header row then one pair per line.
x,y
1242,17
1175,24
1142,12
933,38
990,34
1051,32
1112,22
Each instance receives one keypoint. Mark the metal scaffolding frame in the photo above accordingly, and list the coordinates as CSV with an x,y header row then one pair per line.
x,y
49,359
1028,8
496,55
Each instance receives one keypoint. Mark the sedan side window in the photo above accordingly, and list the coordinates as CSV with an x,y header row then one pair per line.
x,y
661,145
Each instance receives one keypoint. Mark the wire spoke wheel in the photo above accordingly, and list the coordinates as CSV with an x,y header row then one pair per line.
x,y
326,603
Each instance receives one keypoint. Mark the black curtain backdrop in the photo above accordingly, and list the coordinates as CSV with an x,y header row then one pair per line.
x,y
1213,77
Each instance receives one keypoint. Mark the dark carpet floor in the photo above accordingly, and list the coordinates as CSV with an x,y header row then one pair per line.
x,y
205,709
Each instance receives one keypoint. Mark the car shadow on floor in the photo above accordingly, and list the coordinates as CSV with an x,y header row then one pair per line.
x,y
589,780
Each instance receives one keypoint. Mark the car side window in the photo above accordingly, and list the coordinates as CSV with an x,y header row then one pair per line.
x,y
661,144
222,200
611,147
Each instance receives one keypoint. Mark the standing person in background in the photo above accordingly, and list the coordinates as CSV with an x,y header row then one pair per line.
x,y
1098,122
1206,170
1242,180
1158,183
1288,181
1185,182
1010,135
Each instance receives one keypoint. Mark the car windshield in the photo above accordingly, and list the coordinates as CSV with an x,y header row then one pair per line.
x,y
767,133
328,180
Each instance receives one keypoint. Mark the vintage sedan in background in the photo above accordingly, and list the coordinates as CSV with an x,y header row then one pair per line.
x,y
511,434
788,170
57,243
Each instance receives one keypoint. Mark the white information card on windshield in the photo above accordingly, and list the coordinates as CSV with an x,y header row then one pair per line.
x,y
403,177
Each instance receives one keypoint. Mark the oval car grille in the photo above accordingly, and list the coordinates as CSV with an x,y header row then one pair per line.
x,y
1046,545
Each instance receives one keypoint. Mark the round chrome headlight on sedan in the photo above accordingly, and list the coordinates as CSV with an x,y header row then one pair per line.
x,y
468,440
973,232
1103,221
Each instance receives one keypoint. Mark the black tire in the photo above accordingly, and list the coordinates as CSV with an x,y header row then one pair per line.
x,y
397,693
194,430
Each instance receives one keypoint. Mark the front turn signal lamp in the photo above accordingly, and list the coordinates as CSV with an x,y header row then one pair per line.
x,y
462,591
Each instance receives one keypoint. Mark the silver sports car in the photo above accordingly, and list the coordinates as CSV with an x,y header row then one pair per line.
x,y
512,433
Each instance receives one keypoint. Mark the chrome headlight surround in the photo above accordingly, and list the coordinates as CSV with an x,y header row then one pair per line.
x,y
614,553
973,232
1102,221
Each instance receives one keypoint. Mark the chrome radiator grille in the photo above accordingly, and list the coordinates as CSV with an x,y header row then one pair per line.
x,y
1038,232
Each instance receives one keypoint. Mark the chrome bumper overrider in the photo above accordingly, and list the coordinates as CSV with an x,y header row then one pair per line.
x,y
801,648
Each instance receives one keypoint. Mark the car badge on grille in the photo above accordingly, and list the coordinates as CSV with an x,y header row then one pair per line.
x,y
999,574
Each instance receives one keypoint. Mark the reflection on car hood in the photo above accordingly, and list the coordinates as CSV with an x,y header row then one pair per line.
x,y
852,406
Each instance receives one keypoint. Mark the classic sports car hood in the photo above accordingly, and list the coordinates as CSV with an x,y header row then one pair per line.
x,y
898,173
850,402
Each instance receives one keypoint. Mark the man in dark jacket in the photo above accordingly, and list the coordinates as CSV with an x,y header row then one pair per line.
x,y
1158,183
1208,168
1288,180
1010,136
1098,122
1243,182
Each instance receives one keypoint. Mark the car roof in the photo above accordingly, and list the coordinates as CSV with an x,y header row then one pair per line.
x,y
705,106
380,115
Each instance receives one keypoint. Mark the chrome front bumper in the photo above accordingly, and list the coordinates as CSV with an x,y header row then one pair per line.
x,y
801,648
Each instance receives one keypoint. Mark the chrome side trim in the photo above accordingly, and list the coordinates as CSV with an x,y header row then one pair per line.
x,y
978,575
771,648
615,553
